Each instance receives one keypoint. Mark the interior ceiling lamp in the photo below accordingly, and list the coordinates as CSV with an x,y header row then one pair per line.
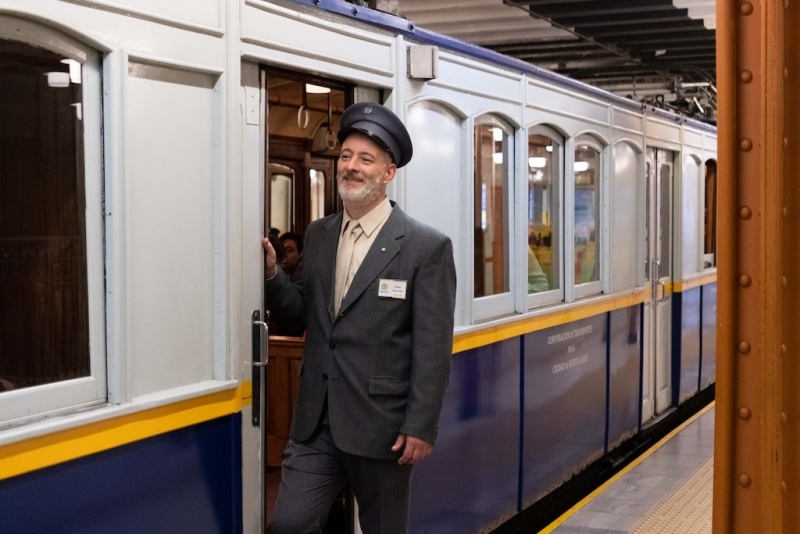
x,y
317,89
74,70
537,162
57,79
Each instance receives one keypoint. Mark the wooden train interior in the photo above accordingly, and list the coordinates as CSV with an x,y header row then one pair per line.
x,y
303,115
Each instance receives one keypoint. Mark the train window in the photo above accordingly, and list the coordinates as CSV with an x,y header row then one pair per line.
x,y
494,160
545,172
51,263
710,212
317,189
586,216
281,188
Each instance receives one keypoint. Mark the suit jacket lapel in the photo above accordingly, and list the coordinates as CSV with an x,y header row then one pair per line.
x,y
383,250
330,243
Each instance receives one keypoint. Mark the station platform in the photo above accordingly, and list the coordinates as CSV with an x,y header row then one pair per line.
x,y
666,490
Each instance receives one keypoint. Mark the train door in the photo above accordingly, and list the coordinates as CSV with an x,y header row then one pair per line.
x,y
657,362
253,335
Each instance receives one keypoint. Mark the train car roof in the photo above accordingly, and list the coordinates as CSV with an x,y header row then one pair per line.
x,y
500,55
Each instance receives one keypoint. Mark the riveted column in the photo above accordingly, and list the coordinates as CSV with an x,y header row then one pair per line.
x,y
728,81
790,268
749,484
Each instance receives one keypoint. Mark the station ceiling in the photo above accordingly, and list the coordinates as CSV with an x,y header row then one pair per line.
x,y
660,52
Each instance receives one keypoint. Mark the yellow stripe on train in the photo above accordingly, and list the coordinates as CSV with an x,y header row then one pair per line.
x,y
58,447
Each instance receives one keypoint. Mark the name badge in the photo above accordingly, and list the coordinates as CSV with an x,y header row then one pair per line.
x,y
393,289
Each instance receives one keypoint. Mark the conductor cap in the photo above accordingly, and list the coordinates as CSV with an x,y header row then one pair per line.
x,y
380,124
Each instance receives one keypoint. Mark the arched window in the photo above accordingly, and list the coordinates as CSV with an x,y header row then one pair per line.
x,y
710,215
494,161
51,259
587,177
544,215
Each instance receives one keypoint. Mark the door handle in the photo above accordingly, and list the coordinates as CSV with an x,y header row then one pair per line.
x,y
259,361
664,295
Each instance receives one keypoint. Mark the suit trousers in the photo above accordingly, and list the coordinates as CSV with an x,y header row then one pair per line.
x,y
315,471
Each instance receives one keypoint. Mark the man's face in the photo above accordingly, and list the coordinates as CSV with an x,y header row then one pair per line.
x,y
292,257
363,171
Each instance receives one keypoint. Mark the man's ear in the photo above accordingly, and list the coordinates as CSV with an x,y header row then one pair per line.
x,y
391,171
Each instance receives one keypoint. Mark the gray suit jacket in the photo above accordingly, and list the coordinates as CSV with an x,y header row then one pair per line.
x,y
382,362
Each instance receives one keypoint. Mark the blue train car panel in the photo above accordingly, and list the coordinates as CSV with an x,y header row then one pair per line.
x,y
708,367
689,332
471,480
624,368
188,480
564,403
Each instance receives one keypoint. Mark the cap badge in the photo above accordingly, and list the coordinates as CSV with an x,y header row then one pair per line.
x,y
367,109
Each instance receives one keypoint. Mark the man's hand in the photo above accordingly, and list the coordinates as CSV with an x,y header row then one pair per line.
x,y
270,259
414,449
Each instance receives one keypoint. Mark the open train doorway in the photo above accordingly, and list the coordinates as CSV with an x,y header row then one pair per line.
x,y
297,117
302,119
657,361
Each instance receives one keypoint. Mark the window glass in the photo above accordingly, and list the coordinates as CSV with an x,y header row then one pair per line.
x,y
492,162
710,225
648,201
544,169
281,197
44,311
317,183
587,213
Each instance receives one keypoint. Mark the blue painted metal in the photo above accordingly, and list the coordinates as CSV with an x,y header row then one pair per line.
x,y
708,361
689,347
470,482
565,408
188,480
624,372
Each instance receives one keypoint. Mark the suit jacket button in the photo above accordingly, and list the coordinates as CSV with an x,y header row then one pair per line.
x,y
332,345
324,376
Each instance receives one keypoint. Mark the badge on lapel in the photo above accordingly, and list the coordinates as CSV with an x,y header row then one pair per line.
x,y
393,289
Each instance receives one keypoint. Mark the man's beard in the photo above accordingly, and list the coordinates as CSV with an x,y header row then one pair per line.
x,y
369,190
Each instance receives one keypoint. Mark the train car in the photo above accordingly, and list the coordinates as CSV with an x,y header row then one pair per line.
x,y
146,147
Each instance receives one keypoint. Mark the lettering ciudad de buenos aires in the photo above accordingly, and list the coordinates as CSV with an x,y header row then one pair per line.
x,y
563,366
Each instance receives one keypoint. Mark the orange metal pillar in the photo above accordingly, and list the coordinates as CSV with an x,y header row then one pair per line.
x,y
756,449
790,263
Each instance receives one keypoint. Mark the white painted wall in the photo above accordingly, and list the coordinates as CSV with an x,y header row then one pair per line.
x,y
170,168
626,234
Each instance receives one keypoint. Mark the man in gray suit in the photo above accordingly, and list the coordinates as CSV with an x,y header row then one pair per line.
x,y
376,295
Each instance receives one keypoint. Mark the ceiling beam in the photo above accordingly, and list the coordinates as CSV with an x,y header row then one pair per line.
x,y
598,21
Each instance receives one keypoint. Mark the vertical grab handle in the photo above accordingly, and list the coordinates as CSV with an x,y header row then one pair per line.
x,y
260,359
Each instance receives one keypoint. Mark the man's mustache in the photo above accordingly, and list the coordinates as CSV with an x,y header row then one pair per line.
x,y
350,176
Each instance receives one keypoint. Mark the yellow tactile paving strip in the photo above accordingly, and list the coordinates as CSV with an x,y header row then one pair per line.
x,y
688,509
652,486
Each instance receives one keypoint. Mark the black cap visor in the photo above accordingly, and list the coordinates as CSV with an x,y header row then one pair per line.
x,y
377,133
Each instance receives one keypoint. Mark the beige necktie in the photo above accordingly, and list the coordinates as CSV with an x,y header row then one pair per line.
x,y
345,270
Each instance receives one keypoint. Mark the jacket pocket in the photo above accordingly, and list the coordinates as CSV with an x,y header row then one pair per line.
x,y
388,385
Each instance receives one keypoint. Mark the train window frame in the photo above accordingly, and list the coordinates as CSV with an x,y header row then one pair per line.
x,y
282,186
28,404
501,303
557,293
592,287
